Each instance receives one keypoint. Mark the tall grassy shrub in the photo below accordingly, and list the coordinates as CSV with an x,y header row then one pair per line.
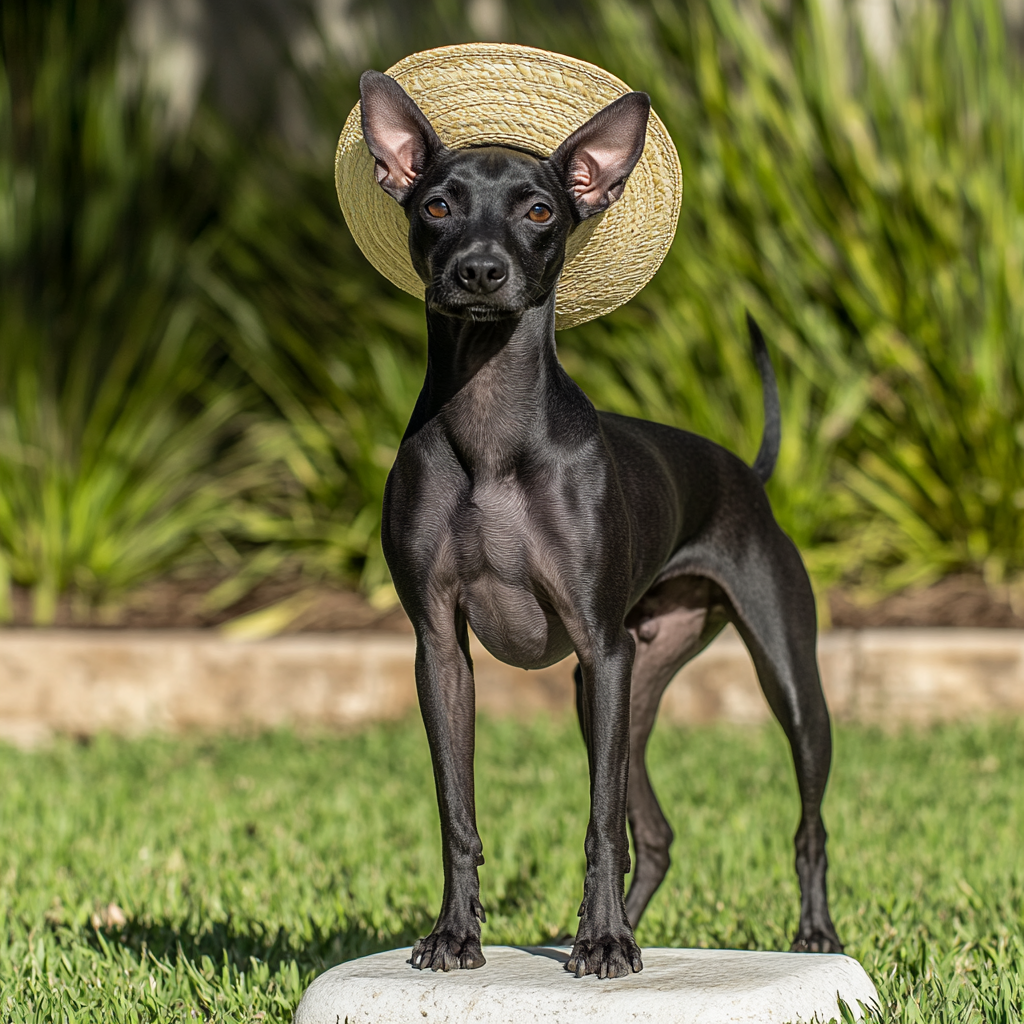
x,y
870,216
336,354
116,401
873,218
196,362
184,374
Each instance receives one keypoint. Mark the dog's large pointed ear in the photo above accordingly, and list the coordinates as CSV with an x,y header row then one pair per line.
x,y
397,133
595,161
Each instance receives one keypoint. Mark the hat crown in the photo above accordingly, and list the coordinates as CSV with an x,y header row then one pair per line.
x,y
504,94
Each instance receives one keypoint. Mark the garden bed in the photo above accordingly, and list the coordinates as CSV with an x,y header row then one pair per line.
x,y
184,602
292,655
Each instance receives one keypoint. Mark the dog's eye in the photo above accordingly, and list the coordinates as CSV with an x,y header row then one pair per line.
x,y
437,208
539,213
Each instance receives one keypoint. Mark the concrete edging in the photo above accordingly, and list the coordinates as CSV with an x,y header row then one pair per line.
x,y
86,681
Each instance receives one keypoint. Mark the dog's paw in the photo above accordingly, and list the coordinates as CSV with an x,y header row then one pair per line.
x,y
817,942
443,950
607,957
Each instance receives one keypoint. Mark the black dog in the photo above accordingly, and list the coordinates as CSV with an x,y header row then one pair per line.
x,y
515,507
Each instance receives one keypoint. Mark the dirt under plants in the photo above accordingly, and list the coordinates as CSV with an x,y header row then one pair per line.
x,y
961,600
189,602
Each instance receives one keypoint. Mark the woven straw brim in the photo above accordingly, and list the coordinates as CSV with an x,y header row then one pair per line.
x,y
502,94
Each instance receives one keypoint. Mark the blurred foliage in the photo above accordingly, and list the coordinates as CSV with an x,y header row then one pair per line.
x,y
116,401
197,365
873,220
181,374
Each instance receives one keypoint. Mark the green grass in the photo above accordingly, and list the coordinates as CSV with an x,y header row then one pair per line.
x,y
246,866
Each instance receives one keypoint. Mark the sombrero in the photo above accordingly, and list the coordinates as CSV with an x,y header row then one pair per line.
x,y
503,94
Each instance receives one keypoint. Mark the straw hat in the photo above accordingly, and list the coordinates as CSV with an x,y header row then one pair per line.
x,y
502,94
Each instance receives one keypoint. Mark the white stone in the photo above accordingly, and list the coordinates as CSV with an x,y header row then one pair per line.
x,y
523,984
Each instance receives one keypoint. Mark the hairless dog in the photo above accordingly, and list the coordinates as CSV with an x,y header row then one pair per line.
x,y
516,508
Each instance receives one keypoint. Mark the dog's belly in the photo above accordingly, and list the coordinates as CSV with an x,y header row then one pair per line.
x,y
513,625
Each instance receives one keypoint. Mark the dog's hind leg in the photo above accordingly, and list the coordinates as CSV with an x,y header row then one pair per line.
x,y
788,673
773,610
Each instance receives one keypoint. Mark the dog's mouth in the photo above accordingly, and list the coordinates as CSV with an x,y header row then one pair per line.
x,y
475,312
471,307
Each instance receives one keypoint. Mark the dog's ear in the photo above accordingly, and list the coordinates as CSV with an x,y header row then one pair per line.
x,y
397,133
595,161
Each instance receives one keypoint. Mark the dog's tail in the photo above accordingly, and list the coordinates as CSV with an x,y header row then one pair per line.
x,y
768,453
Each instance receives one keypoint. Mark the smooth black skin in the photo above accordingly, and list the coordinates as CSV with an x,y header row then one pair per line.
x,y
515,507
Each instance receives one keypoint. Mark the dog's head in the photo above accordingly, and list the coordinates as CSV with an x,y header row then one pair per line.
x,y
488,225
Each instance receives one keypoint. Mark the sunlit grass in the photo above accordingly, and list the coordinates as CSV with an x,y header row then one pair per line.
x,y
243,867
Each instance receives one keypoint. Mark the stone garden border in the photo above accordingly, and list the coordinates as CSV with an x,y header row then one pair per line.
x,y
81,682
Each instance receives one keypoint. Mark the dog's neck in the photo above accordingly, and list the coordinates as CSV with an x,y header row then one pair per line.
x,y
486,383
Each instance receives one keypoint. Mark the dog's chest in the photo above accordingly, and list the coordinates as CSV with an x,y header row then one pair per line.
x,y
503,571
492,528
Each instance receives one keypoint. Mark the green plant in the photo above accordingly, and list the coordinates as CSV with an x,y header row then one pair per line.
x,y
868,215
116,404
813,197
195,361
872,218
336,352
938,458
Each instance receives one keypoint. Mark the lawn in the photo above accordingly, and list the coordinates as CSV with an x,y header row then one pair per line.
x,y
212,878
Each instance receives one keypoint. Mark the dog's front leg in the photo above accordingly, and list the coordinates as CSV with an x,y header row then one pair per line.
x,y
444,683
604,942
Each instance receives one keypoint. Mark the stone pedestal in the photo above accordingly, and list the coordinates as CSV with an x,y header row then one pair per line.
x,y
526,984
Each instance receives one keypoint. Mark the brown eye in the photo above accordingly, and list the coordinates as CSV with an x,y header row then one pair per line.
x,y
539,213
437,208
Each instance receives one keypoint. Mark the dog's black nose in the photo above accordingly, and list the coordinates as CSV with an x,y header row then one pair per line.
x,y
482,273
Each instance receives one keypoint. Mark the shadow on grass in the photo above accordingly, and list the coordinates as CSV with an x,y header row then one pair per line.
x,y
314,948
